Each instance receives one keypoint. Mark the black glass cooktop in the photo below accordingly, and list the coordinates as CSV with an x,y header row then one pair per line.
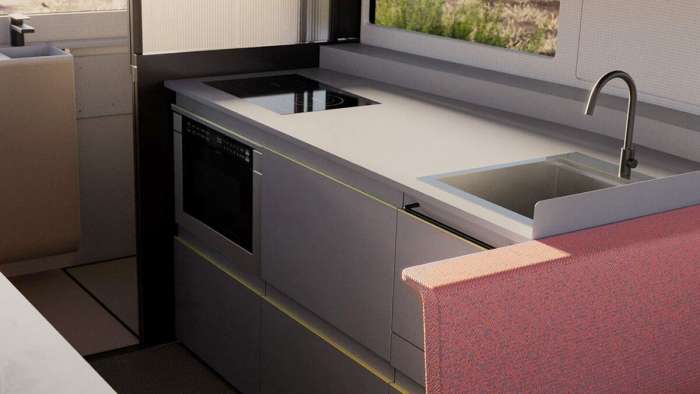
x,y
290,94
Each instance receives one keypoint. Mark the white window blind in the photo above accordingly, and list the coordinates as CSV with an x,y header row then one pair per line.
x,y
196,25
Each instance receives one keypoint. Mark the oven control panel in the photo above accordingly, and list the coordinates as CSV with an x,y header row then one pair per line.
x,y
217,141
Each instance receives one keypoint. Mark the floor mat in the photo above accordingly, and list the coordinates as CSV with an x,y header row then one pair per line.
x,y
164,369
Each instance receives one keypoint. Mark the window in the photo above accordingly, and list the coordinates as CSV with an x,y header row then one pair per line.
x,y
50,6
523,25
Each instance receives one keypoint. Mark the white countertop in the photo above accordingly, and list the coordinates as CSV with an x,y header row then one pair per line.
x,y
412,135
34,357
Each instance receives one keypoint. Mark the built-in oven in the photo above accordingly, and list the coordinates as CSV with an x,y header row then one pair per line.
x,y
217,185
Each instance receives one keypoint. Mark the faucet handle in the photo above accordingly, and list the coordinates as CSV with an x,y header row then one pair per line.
x,y
18,29
18,19
17,24
628,159
632,161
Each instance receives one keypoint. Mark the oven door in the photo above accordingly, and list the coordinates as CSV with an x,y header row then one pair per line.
x,y
217,196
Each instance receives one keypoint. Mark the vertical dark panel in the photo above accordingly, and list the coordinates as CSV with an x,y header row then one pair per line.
x,y
135,27
154,162
135,48
346,17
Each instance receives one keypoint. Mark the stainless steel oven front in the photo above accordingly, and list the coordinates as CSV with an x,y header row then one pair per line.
x,y
217,188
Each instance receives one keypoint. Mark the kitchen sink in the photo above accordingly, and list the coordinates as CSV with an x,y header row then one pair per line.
x,y
31,52
518,187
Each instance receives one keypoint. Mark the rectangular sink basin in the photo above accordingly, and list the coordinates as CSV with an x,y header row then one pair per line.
x,y
33,51
517,188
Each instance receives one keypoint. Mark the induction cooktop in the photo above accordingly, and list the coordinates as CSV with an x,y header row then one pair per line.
x,y
290,94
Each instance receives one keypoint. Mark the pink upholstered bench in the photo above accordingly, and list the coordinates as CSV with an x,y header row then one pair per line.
x,y
610,309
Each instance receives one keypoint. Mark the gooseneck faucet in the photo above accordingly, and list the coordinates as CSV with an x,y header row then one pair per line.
x,y
18,29
627,155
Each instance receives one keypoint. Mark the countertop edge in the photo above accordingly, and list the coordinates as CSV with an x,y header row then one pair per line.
x,y
34,356
525,234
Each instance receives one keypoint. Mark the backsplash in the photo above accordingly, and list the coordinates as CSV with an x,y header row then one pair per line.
x,y
655,41
663,129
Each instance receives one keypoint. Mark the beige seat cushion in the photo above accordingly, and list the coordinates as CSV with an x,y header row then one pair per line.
x,y
39,192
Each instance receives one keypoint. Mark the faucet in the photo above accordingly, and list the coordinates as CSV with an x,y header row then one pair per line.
x,y
18,29
627,159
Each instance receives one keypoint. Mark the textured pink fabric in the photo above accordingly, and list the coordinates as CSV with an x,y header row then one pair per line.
x,y
611,309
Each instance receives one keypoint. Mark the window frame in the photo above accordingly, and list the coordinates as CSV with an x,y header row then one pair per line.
x,y
373,21
560,68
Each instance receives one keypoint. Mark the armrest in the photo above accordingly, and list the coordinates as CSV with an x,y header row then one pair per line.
x,y
611,309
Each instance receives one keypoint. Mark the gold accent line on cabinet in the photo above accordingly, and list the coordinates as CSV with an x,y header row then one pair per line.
x,y
229,272
255,144
292,315
330,177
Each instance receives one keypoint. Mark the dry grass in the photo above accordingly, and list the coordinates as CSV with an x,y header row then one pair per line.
x,y
524,20
47,6
525,25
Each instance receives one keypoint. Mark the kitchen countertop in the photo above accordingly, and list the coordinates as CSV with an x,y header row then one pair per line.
x,y
411,135
34,357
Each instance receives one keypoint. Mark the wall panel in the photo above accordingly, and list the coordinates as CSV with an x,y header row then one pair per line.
x,y
107,199
265,22
657,42
103,85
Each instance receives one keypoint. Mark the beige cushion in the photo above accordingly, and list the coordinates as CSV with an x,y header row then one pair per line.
x,y
39,193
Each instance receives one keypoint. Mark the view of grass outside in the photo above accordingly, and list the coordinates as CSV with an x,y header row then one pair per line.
x,y
524,25
49,6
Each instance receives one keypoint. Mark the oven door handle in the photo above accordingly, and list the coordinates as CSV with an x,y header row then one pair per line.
x,y
411,209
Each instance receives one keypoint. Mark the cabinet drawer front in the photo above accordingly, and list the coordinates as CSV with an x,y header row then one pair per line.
x,y
295,360
419,242
218,319
408,359
331,248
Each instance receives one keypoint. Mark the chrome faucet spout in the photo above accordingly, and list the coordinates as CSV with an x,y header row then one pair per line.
x,y
627,154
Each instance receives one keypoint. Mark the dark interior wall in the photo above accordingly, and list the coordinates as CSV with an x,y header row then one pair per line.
x,y
345,20
154,161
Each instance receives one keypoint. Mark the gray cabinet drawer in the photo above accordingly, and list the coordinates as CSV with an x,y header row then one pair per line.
x,y
408,359
218,319
294,360
419,242
329,247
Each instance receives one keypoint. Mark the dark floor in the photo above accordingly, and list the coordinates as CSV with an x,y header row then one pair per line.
x,y
164,369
